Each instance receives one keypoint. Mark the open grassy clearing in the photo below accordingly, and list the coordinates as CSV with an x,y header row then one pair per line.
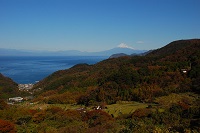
x,y
114,109
43,106
167,101
121,107
124,108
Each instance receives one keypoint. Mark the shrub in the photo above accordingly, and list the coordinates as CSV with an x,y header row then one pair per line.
x,y
97,117
7,127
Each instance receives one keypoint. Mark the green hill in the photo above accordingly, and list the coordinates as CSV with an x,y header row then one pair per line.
x,y
141,78
8,88
175,46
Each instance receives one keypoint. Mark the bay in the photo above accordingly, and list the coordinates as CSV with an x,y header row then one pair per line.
x,y
30,69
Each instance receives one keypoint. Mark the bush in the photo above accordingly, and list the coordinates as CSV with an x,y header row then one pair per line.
x,y
97,117
7,127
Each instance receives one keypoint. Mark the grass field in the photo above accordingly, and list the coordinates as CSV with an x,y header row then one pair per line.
x,y
120,108
124,108
43,106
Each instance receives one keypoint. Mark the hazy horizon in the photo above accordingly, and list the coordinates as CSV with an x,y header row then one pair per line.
x,y
121,45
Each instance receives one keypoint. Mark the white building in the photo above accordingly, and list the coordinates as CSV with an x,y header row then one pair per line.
x,y
15,99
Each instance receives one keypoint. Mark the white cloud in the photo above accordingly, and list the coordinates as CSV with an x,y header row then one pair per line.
x,y
123,45
139,42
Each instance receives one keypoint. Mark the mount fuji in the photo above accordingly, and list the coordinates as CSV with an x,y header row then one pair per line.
x,y
122,48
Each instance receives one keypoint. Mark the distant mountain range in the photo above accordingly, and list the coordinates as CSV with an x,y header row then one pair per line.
x,y
14,52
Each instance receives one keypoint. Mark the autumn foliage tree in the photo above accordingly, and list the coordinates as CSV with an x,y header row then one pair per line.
x,y
3,104
7,127
97,117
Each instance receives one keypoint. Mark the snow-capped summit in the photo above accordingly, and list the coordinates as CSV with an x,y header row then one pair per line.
x,y
123,45
121,48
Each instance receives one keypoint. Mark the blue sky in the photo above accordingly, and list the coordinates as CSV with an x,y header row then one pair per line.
x,y
96,25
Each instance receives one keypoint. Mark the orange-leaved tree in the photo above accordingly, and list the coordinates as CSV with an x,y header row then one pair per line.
x,y
7,127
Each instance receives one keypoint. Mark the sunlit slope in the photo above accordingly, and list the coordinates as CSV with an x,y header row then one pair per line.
x,y
140,78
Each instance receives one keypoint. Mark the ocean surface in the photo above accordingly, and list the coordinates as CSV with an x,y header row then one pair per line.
x,y
24,70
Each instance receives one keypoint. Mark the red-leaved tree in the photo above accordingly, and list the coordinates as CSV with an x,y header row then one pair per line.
x,y
7,127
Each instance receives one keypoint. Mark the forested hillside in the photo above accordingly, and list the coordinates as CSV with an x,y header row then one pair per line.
x,y
174,68
8,87
176,46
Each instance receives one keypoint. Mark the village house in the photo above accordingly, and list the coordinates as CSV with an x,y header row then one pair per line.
x,y
15,99
184,70
25,87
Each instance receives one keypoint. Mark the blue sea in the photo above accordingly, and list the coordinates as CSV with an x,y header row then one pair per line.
x,y
24,70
